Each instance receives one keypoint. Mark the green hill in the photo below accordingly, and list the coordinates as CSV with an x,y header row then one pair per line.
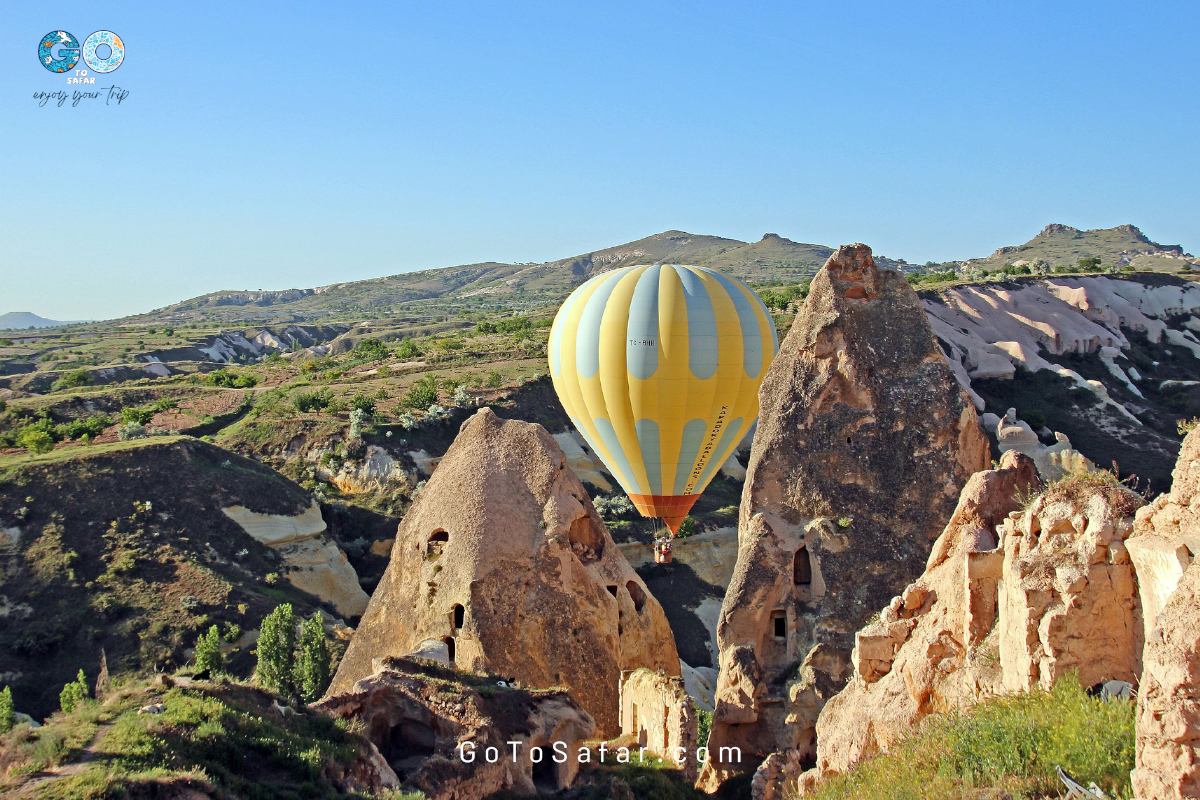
x,y
491,285
1062,245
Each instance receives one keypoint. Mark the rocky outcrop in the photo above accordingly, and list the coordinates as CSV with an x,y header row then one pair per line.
x,y
503,558
451,736
1011,600
991,329
1164,549
315,564
658,712
1053,461
1167,534
864,441
1168,720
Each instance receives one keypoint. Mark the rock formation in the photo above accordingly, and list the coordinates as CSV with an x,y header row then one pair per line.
x,y
1167,534
1164,548
1010,600
434,727
1053,461
315,564
503,558
658,712
864,441
1168,721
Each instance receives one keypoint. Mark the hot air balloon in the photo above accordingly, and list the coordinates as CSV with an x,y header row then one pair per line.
x,y
659,368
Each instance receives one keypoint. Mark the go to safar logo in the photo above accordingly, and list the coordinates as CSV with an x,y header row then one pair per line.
x,y
59,51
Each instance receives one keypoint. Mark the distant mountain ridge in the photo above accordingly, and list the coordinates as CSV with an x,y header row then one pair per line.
x,y
1059,244
523,286
19,320
492,285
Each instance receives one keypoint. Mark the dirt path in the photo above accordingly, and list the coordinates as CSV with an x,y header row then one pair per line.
x,y
28,788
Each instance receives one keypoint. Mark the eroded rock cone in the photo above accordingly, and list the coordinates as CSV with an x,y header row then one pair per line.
x,y
864,441
503,558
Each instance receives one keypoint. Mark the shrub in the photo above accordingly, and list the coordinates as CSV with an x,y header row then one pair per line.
x,y
231,380
72,380
614,507
1092,263
311,401
704,723
370,350
363,403
132,430
421,394
78,428
74,693
209,657
8,715
461,397
313,663
686,528
140,415
277,650
1185,426
514,324
485,327
494,380
358,418
408,349
36,440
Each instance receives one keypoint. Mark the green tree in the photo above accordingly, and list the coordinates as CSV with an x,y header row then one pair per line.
x,y
422,394
313,664
8,715
209,657
277,650
494,380
408,349
74,693
1090,263
367,404
371,349
72,380
36,440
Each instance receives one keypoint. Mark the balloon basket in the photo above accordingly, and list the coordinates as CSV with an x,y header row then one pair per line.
x,y
662,552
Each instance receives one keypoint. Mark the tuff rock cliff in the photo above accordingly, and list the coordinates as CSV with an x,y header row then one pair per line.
x,y
865,439
1164,549
503,560
1011,600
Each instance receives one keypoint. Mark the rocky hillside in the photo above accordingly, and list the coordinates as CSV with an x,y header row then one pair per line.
x,y
1111,362
1062,245
132,549
489,285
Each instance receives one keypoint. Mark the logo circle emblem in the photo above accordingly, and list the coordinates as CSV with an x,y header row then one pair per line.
x,y
58,51
116,50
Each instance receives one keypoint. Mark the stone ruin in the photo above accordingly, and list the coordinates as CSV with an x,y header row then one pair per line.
x,y
503,559
433,727
658,714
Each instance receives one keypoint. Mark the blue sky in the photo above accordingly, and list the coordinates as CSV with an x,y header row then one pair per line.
x,y
299,144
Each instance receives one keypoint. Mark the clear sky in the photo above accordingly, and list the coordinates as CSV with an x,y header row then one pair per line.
x,y
298,144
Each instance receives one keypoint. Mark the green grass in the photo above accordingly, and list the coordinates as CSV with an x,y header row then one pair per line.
x,y
214,734
1010,744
